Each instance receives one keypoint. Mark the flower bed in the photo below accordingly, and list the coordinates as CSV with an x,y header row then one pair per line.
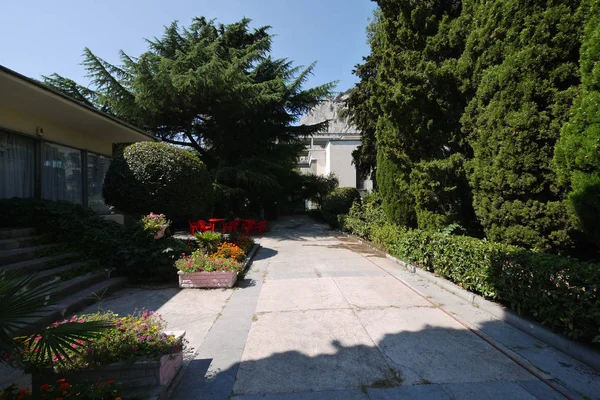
x,y
133,351
201,270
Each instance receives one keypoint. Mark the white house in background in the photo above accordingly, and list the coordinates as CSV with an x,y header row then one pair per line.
x,y
331,151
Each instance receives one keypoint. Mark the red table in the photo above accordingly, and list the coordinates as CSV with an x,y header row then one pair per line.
x,y
214,221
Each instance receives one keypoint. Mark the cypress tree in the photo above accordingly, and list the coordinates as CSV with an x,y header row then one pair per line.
x,y
577,153
525,85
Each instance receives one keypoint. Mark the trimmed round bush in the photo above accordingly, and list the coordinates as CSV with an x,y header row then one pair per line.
x,y
157,177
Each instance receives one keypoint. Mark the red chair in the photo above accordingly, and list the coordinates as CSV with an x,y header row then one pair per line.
x,y
230,227
260,227
248,225
203,226
193,226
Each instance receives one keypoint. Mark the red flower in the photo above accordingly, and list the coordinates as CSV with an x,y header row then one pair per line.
x,y
61,381
64,386
45,386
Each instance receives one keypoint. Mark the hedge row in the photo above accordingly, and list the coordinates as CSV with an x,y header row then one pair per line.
x,y
131,252
559,292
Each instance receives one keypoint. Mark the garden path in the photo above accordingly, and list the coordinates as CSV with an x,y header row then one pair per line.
x,y
320,316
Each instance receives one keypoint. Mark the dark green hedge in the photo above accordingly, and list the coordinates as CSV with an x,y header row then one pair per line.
x,y
338,202
130,251
157,177
560,292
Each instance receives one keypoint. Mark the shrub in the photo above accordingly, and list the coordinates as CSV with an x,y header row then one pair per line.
x,y
199,261
209,241
158,177
394,188
315,187
364,215
560,292
244,242
441,193
133,253
338,202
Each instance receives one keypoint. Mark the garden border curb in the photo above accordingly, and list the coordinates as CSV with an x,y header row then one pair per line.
x,y
580,352
249,258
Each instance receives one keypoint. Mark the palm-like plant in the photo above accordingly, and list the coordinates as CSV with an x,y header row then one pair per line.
x,y
19,303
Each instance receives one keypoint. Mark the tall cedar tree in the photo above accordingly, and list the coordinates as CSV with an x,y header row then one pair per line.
x,y
523,57
214,88
577,153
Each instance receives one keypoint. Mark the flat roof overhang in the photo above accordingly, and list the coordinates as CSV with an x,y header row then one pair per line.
x,y
27,96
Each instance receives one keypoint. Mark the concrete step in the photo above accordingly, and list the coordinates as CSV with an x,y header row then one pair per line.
x,y
11,233
17,243
73,303
74,285
49,274
38,264
24,254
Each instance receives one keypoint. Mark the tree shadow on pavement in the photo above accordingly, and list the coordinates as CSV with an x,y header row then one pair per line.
x,y
431,363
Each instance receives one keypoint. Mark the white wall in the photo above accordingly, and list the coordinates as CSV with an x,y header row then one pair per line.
x,y
339,159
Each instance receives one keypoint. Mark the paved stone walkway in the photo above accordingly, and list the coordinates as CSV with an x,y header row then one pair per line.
x,y
320,316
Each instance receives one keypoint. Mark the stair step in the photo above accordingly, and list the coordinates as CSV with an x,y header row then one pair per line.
x,y
47,274
38,264
76,302
78,283
24,254
11,233
17,243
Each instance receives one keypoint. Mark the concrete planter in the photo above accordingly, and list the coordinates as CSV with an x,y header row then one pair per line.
x,y
126,375
207,279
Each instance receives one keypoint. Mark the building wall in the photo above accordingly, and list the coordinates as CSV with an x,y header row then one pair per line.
x,y
15,121
339,160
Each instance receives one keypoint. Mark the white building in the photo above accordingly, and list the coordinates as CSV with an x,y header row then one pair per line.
x,y
331,151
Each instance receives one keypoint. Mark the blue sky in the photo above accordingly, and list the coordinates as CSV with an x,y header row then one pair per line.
x,y
40,37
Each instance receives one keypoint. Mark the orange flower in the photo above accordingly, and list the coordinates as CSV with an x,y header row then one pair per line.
x,y
110,382
45,386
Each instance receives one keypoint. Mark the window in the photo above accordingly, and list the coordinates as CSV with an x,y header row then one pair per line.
x,y
97,166
61,173
17,166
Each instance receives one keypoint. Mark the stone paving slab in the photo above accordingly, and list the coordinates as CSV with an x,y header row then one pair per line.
x,y
427,346
325,395
300,294
420,392
488,391
385,291
308,351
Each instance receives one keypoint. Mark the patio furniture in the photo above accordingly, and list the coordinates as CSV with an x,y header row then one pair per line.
x,y
260,227
248,225
233,226
194,226
200,226
214,221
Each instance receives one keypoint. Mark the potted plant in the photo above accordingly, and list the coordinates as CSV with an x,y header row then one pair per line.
x,y
202,270
155,224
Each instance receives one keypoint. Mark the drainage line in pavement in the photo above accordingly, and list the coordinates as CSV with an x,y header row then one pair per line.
x,y
475,331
